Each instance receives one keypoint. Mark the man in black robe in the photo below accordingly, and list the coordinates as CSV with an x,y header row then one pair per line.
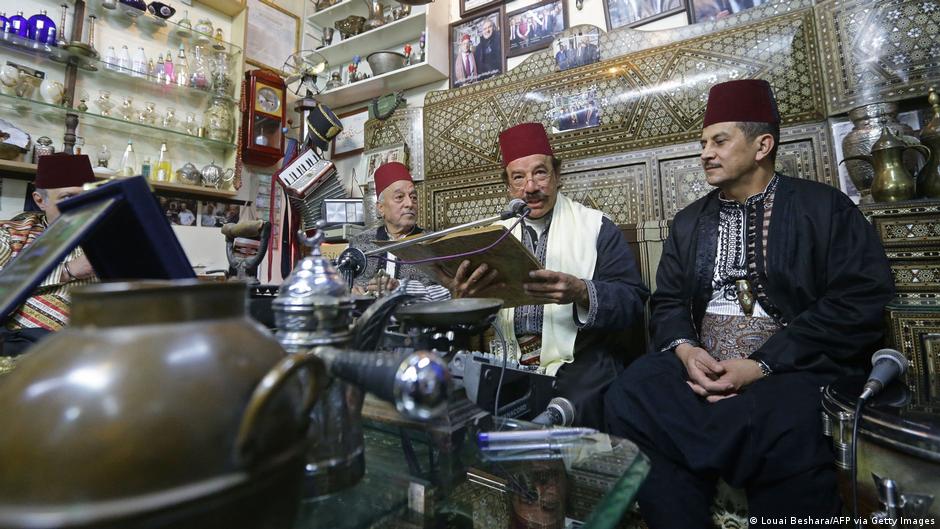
x,y
769,288
589,292
489,51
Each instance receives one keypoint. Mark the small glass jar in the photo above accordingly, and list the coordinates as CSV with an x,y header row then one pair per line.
x,y
219,121
169,119
148,115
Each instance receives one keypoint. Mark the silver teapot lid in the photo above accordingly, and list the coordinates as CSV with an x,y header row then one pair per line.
x,y
313,305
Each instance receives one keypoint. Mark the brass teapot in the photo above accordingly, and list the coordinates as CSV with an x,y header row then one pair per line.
x,y
892,182
928,179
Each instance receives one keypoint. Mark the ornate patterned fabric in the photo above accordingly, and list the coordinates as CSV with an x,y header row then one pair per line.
x,y
48,307
726,337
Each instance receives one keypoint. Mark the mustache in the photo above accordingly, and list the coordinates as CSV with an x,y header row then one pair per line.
x,y
534,197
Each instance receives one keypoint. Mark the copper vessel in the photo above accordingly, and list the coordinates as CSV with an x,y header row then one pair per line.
x,y
892,181
161,405
867,123
928,179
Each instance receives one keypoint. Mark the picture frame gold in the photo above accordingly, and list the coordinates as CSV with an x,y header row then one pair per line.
x,y
265,17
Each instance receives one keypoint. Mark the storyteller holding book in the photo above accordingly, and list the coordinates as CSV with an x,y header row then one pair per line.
x,y
397,203
589,292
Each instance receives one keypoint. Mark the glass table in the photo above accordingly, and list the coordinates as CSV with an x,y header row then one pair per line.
x,y
423,477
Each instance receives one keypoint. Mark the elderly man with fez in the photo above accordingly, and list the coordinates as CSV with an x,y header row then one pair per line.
x,y
397,203
769,288
58,176
591,287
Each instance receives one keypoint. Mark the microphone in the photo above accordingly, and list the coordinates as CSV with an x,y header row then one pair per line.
x,y
887,365
516,207
417,383
560,412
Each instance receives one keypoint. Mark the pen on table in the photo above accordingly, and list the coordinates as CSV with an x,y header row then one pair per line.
x,y
485,438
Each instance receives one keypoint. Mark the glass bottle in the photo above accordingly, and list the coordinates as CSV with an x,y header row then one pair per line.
x,y
61,34
159,71
124,60
129,160
199,73
41,29
90,31
163,170
139,65
219,121
145,168
18,25
182,67
169,73
111,59
104,154
79,144
3,23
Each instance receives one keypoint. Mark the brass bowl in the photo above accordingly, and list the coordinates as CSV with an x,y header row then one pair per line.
x,y
350,26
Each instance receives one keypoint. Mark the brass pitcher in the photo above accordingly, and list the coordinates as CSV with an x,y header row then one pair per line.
x,y
376,16
893,182
928,179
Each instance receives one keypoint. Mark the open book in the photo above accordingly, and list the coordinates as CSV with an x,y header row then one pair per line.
x,y
513,260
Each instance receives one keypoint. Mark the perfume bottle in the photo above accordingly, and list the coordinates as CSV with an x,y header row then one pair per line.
x,y
145,168
163,170
104,154
18,25
169,73
61,31
199,69
124,60
111,59
3,22
41,29
182,67
129,160
159,71
139,64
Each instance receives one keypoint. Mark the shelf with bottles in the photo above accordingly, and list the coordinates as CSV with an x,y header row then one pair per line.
x,y
189,189
48,113
401,79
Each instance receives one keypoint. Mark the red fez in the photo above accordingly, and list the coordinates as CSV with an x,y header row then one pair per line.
x,y
63,170
741,100
389,173
523,140
465,37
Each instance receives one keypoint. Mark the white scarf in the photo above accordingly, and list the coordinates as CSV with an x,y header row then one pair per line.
x,y
572,249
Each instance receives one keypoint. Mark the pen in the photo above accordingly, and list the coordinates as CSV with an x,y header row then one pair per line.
x,y
485,438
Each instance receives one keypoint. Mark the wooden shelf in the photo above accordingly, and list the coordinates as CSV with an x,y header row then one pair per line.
x,y
188,189
226,7
407,77
13,169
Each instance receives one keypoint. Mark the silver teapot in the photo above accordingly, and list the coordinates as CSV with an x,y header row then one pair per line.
x,y
188,174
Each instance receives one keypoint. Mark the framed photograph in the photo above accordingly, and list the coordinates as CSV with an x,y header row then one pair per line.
x,y
632,13
470,6
374,158
212,214
352,140
476,48
714,9
576,111
533,28
342,211
266,19
179,211
572,51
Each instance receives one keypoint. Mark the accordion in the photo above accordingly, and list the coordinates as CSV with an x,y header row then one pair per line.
x,y
309,179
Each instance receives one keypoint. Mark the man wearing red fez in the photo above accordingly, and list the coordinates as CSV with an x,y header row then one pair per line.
x,y
769,288
58,176
589,292
397,204
465,65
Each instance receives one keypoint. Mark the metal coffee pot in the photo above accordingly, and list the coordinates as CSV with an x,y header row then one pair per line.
x,y
928,179
161,405
892,181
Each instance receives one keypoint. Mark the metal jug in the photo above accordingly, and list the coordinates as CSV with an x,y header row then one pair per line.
x,y
376,16
313,308
928,179
892,182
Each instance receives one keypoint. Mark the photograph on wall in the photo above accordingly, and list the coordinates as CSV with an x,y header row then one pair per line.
x,y
375,158
351,140
179,211
576,111
533,27
476,48
470,6
212,214
572,51
715,9
632,13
